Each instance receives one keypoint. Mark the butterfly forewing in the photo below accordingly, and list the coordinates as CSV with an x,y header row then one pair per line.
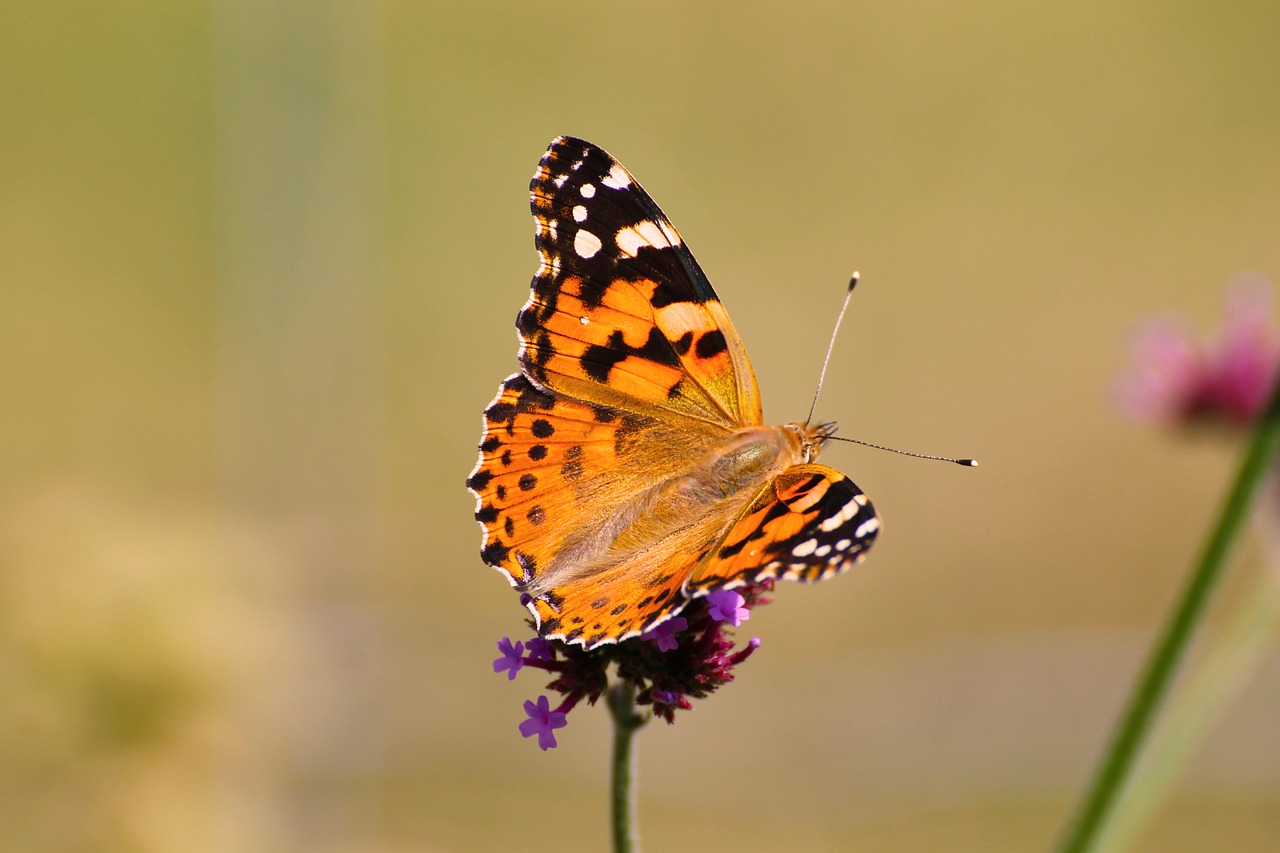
x,y
619,309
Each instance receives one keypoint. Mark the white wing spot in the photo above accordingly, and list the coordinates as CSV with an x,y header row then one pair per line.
x,y
579,213
805,548
617,178
584,319
647,233
588,190
823,550
576,166
586,244
843,544
846,512
559,180
866,528
551,229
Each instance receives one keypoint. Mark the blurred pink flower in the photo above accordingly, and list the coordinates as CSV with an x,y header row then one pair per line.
x,y
1176,379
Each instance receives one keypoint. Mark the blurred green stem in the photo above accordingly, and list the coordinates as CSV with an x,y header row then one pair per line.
x,y
1109,781
622,707
1228,666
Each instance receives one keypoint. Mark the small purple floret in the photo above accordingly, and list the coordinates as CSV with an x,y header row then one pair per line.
x,y
725,605
512,658
542,721
539,649
664,634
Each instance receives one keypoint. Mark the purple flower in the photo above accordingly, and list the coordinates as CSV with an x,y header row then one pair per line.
x,y
512,658
543,722
664,634
1176,379
540,649
725,605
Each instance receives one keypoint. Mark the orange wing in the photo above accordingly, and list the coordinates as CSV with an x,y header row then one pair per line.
x,y
620,312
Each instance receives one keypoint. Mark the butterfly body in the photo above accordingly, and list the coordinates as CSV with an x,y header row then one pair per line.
x,y
626,469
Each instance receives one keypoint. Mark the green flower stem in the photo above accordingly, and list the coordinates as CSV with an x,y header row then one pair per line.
x,y
1113,772
622,707
1225,670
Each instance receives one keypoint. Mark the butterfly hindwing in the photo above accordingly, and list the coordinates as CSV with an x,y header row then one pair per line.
x,y
810,523
620,313
627,598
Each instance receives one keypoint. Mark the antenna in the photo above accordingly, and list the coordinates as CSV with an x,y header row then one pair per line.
x,y
853,282
968,463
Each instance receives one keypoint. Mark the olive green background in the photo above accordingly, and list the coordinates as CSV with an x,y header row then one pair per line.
x,y
259,266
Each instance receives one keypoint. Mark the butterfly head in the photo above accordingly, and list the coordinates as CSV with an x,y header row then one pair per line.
x,y
809,438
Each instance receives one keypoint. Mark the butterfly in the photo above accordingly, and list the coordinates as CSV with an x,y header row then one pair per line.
x,y
625,469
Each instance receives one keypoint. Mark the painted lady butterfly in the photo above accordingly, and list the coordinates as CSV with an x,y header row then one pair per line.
x,y
625,469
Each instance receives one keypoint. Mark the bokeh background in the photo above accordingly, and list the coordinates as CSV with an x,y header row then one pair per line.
x,y
259,265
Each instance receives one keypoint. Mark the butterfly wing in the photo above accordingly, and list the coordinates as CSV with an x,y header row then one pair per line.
x,y
809,523
620,313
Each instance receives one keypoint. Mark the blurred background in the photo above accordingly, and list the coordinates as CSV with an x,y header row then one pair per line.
x,y
259,267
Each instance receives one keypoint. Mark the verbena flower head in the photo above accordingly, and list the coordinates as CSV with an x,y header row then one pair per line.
x,y
686,657
1177,379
